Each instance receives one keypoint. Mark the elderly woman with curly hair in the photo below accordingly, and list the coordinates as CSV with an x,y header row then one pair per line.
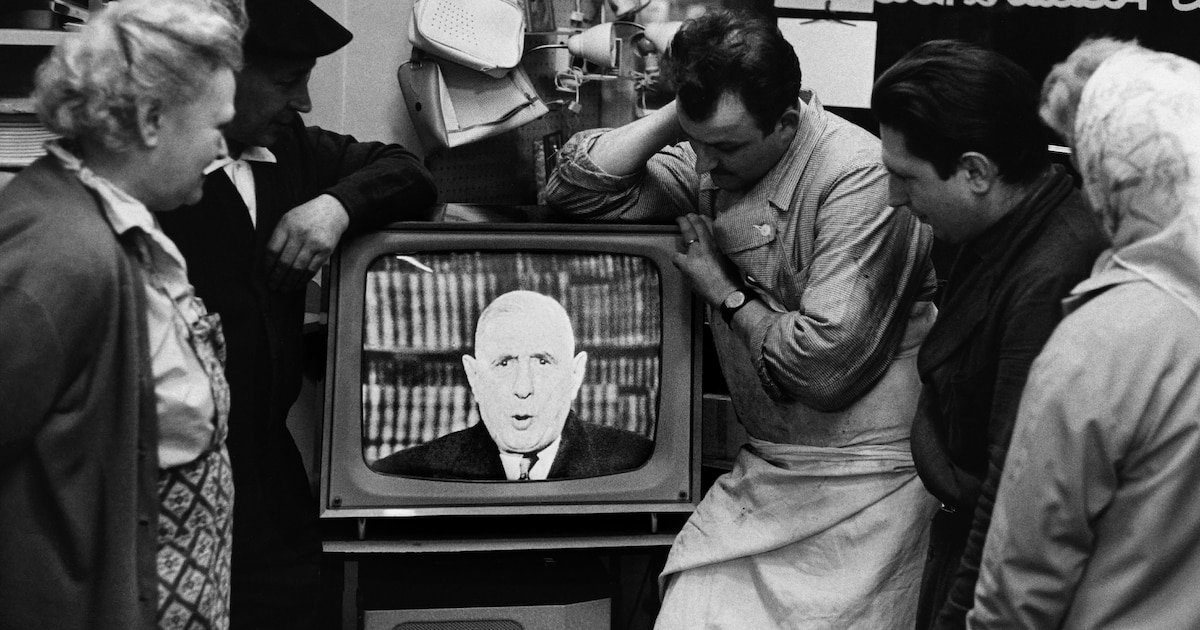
x,y
1097,524
115,489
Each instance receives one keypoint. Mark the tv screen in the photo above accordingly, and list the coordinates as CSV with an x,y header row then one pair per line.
x,y
496,368
420,321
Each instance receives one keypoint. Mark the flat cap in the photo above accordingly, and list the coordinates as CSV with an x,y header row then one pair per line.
x,y
292,28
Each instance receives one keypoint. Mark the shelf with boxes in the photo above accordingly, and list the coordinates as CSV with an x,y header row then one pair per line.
x,y
22,135
29,30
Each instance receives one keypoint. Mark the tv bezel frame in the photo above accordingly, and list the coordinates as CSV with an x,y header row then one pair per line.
x,y
356,491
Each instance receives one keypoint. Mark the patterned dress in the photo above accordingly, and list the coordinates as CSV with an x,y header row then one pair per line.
x,y
195,522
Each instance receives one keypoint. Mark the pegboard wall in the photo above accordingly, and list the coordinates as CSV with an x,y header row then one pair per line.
x,y
504,169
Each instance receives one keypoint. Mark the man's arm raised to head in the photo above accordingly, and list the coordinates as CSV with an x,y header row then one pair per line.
x,y
626,149
635,172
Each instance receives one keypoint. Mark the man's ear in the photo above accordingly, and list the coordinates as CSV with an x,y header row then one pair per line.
x,y
789,119
578,369
980,171
471,368
149,122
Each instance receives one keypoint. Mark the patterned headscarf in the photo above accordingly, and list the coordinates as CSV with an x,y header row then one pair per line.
x,y
1137,135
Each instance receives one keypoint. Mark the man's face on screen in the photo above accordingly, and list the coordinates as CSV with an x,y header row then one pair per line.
x,y
524,377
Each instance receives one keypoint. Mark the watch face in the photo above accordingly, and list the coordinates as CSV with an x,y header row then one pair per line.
x,y
735,299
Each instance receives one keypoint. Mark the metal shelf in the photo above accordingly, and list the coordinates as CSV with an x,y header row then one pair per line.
x,y
31,37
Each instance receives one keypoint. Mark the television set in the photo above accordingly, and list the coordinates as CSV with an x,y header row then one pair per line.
x,y
403,305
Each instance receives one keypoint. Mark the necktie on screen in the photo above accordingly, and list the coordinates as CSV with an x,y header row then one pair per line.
x,y
527,462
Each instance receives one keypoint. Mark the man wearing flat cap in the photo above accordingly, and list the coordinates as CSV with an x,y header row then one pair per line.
x,y
270,217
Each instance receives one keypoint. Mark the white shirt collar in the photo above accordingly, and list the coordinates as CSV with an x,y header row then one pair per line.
x,y
249,154
540,470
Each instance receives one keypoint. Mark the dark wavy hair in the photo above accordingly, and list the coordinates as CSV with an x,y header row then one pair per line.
x,y
725,51
948,97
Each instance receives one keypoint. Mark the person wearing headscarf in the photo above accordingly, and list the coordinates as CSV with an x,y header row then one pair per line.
x,y
1097,524
115,485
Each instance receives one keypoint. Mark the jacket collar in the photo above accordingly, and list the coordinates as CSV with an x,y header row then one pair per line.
x,y
574,457
991,254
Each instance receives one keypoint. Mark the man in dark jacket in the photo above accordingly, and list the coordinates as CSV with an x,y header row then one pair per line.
x,y
586,450
269,219
966,153
524,376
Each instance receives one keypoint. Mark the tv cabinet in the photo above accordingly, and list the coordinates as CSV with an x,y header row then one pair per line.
x,y
384,567
550,590
626,552
469,563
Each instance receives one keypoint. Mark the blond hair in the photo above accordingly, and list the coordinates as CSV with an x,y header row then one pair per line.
x,y
156,52
1063,87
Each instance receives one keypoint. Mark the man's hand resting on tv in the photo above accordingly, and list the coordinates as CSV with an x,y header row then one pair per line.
x,y
304,239
710,273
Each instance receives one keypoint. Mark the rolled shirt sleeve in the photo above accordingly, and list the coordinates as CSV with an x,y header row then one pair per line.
x,y
666,188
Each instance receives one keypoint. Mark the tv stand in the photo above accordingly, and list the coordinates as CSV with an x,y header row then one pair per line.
x,y
441,534
629,549
493,590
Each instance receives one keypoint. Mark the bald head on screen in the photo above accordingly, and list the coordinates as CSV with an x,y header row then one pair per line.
x,y
525,372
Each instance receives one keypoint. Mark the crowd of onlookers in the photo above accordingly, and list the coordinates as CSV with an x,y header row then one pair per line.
x,y
878,488
1010,440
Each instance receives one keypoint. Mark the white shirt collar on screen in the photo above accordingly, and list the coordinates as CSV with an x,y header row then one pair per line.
x,y
540,469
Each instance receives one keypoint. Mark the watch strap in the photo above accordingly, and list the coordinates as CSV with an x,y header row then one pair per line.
x,y
727,312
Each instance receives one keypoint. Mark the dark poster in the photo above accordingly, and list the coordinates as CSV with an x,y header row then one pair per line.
x,y
1034,33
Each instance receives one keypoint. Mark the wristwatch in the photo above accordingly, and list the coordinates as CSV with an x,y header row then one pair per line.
x,y
735,301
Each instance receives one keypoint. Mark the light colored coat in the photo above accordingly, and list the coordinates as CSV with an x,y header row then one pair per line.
x,y
1097,522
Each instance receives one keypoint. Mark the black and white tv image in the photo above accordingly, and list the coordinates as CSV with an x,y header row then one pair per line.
x,y
491,393
481,368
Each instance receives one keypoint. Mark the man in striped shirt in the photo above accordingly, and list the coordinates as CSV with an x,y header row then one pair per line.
x,y
824,295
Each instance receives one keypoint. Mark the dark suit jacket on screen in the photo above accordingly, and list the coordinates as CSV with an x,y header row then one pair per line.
x,y
586,450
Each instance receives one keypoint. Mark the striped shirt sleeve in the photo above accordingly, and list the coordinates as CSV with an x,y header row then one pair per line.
x,y
665,189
